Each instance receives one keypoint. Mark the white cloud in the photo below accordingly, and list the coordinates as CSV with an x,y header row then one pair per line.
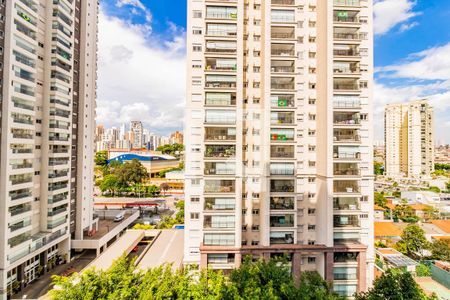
x,y
408,26
390,13
136,4
139,77
430,64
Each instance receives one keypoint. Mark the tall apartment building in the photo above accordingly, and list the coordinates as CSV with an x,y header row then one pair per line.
x,y
48,90
137,129
279,127
408,133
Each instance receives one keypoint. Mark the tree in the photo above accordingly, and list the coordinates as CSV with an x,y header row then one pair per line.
x,y
153,190
434,189
174,149
440,250
414,240
101,158
379,199
378,168
423,270
164,187
394,284
110,183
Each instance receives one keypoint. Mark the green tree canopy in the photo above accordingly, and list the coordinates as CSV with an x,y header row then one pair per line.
x,y
440,250
379,199
413,238
174,149
101,158
394,285
378,168
110,183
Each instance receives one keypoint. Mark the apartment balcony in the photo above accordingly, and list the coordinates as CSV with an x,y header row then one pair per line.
x,y
282,118
221,47
54,124
281,237
23,74
219,222
282,135
220,133
20,225
345,257
219,186
20,194
57,161
282,185
220,120
220,99
23,89
282,66
220,151
282,16
23,59
282,203
346,85
221,12
346,68
346,102
22,133
220,168
344,273
57,174
20,179
346,187
342,17
57,186
346,153
25,30
221,30
346,203
282,83
346,136
57,222
342,119
221,65
21,164
351,3
22,104
346,170
220,82
221,260
283,2
60,15
19,239
285,50
342,221
286,220
282,101
56,112
282,151
57,211
58,137
19,209
219,204
346,51
283,169
347,34
22,119
58,198
282,33
30,4
62,53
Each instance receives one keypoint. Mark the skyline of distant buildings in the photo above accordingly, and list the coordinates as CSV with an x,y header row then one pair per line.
x,y
134,136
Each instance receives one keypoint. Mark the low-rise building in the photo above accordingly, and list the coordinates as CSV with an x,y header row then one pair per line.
x,y
386,258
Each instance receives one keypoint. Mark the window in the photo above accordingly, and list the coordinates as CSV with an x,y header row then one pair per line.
x,y
255,211
195,199
197,48
195,216
311,259
311,211
195,181
311,227
197,13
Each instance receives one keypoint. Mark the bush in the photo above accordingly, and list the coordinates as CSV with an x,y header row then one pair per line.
x,y
423,270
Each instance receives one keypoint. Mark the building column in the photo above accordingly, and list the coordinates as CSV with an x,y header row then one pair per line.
x,y
329,258
362,272
237,259
203,260
296,268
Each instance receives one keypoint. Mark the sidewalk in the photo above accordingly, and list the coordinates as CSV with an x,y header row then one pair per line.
x,y
42,285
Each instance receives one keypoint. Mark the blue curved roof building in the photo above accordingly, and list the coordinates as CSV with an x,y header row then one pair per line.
x,y
131,156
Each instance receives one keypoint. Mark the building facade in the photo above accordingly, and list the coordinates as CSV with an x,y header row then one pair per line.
x,y
279,119
137,129
48,91
408,133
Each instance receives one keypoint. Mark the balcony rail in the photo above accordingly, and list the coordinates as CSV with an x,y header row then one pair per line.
x,y
61,102
24,90
283,2
51,225
352,121
220,85
58,186
287,69
282,52
347,104
345,221
289,239
18,211
341,155
282,103
58,174
339,19
213,67
345,86
339,70
15,181
219,189
347,172
23,106
57,211
282,154
22,166
20,120
19,225
58,198
23,29
30,4
221,50
279,171
282,35
218,224
225,137
222,33
350,52
211,206
23,59
350,189
342,276
347,36
221,15
58,162
282,189
346,206
281,86
214,171
346,2
280,222
17,196
347,138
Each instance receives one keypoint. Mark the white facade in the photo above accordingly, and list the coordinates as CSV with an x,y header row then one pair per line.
x,y
47,132
409,139
279,136
137,129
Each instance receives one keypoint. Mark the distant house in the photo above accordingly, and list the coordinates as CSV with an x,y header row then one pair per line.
x,y
378,213
420,210
387,232
386,258
443,225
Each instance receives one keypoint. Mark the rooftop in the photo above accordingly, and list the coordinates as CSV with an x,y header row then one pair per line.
x,y
395,258
387,229
444,225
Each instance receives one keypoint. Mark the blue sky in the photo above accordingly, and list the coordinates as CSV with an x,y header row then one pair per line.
x,y
142,61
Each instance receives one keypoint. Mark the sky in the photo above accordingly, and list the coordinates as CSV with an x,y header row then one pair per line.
x,y
142,65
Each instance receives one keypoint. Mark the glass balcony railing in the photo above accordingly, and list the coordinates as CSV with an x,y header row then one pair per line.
x,y
347,153
20,225
20,194
219,186
55,223
282,101
346,2
282,83
282,220
218,223
343,257
346,187
345,221
346,137
219,168
219,203
30,4
220,151
281,135
346,86
346,102
281,237
283,2
225,47
282,118
345,16
346,169
221,64
57,211
346,203
277,151
284,33
346,52
282,168
346,36
346,119
58,198
19,209
20,179
220,133
283,51
221,12
282,16
19,239
282,186
344,273
282,203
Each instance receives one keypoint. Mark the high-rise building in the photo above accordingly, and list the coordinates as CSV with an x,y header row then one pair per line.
x,y
408,133
176,138
137,129
48,90
279,119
